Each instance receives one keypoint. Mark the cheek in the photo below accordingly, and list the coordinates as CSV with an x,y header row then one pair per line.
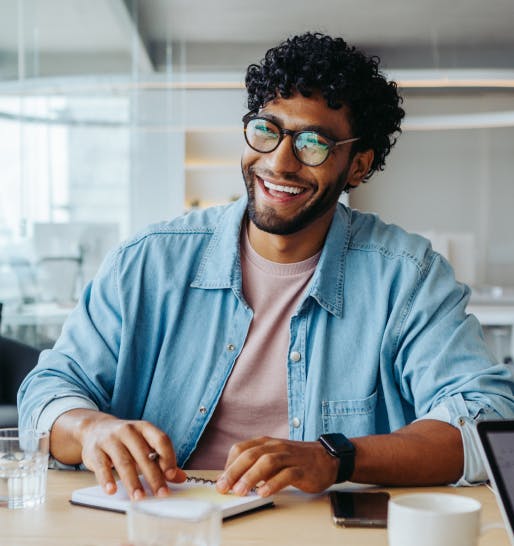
x,y
326,177
332,171
247,161
249,157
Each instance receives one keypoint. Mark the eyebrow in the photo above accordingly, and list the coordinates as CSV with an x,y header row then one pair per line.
x,y
315,128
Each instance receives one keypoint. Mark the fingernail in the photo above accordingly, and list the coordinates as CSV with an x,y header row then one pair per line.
x,y
109,488
222,485
180,475
163,491
240,489
138,494
170,474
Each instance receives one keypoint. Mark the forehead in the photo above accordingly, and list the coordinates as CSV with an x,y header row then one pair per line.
x,y
298,112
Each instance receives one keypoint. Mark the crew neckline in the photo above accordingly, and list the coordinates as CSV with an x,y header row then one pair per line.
x,y
276,268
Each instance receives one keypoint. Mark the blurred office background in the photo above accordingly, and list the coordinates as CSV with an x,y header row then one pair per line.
x,y
118,113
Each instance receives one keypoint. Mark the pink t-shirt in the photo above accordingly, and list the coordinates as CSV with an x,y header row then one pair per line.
x,y
254,401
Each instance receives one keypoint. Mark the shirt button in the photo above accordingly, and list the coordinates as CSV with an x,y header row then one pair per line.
x,y
203,410
296,422
462,422
295,356
231,347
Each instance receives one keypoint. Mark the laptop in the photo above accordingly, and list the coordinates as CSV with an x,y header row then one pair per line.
x,y
497,445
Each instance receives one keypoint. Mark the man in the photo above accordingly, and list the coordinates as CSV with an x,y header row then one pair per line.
x,y
318,342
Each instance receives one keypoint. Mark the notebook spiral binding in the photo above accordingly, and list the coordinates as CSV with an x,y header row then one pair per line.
x,y
206,481
198,479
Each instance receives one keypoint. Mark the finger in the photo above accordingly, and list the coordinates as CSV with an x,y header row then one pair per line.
x,y
136,443
265,467
240,466
237,449
176,476
125,465
163,447
160,444
291,475
102,468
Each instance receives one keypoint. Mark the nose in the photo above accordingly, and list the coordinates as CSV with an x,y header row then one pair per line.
x,y
282,158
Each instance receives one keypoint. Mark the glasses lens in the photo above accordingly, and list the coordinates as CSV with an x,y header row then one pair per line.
x,y
311,148
262,135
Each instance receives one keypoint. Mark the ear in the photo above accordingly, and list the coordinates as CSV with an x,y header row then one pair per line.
x,y
361,163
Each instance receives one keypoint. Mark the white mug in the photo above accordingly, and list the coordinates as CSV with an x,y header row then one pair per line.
x,y
433,519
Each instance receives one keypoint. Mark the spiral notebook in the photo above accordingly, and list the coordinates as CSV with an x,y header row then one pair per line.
x,y
194,488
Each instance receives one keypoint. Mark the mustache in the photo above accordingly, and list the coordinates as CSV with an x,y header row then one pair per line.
x,y
289,177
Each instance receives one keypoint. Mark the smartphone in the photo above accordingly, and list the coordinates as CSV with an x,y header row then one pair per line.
x,y
359,508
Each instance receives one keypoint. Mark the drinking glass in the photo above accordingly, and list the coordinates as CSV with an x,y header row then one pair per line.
x,y
173,522
23,467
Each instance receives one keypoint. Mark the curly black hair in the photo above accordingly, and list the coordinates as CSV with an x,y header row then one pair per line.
x,y
314,62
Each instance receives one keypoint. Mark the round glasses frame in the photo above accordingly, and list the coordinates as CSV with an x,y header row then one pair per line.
x,y
330,143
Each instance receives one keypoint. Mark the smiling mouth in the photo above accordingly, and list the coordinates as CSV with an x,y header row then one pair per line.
x,y
291,190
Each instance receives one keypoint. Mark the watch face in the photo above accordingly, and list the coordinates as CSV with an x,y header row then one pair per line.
x,y
337,443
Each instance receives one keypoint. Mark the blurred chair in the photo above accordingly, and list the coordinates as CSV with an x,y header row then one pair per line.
x,y
16,361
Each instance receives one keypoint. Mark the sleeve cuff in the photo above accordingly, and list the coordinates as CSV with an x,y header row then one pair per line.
x,y
49,415
439,413
58,406
462,415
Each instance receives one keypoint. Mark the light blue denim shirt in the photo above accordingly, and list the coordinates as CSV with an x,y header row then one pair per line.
x,y
380,338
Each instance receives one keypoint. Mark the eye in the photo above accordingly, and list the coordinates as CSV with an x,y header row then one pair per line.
x,y
311,140
264,129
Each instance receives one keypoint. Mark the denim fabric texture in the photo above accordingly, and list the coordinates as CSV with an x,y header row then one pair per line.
x,y
382,333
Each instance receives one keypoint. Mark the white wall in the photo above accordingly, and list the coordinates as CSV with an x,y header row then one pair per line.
x,y
453,181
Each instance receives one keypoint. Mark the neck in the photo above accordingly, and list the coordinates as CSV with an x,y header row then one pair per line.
x,y
292,248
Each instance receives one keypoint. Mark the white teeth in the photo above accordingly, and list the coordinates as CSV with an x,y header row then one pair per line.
x,y
287,189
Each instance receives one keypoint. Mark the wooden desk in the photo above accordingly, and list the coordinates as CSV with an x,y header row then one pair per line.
x,y
296,520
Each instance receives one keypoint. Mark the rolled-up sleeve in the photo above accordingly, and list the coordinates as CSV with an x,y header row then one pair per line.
x,y
80,371
57,407
455,411
444,366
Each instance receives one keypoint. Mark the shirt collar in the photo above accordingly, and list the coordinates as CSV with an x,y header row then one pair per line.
x,y
327,283
221,262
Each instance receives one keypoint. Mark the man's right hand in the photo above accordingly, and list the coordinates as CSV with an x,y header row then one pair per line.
x,y
105,443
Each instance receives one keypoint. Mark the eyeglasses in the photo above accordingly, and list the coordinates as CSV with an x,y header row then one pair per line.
x,y
309,147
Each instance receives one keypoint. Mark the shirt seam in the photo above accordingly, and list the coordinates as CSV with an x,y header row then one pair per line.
x,y
315,289
141,238
410,303
388,253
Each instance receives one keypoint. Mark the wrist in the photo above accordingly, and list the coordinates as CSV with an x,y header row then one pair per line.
x,y
69,432
339,447
83,422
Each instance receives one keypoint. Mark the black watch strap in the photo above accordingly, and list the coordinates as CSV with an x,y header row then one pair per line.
x,y
338,445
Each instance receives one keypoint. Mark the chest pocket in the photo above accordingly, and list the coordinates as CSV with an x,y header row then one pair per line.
x,y
351,417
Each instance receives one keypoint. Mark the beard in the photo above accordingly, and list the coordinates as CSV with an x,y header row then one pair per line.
x,y
267,219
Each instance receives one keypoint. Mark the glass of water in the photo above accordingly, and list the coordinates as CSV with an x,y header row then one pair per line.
x,y
23,467
173,522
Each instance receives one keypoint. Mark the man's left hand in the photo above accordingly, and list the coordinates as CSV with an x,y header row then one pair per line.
x,y
271,464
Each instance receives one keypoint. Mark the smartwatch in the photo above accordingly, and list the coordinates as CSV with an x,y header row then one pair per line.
x,y
338,445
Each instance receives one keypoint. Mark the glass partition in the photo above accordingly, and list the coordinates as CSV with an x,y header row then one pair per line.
x,y
119,113
92,148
